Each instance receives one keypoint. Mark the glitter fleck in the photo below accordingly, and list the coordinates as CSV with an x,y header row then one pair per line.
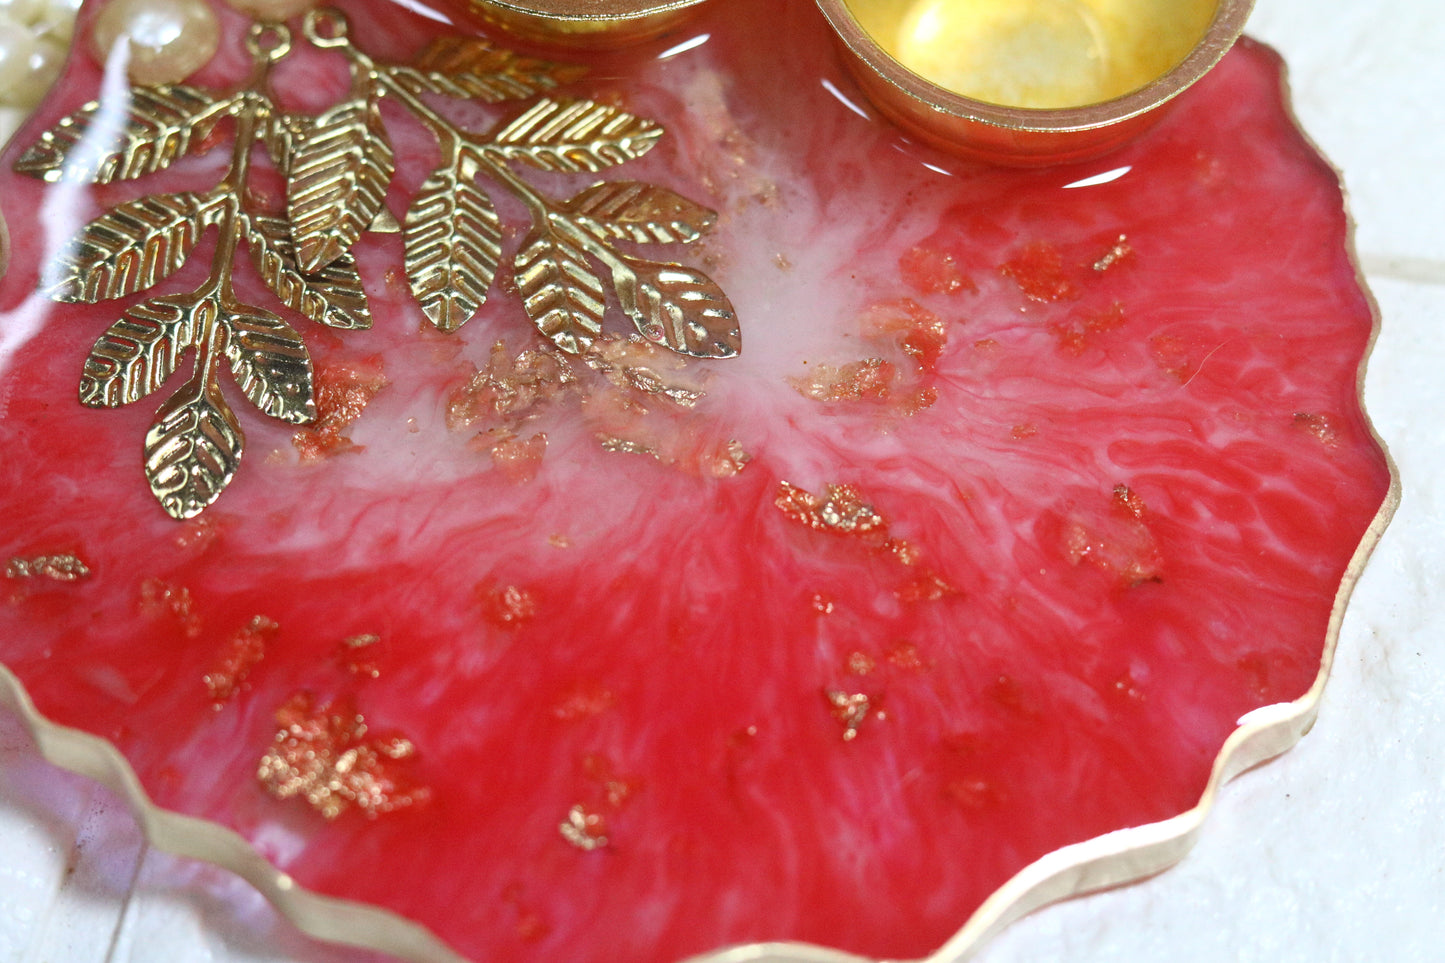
x,y
850,709
245,648
1318,425
361,655
507,606
1119,253
56,568
843,512
161,598
324,755
584,829
871,378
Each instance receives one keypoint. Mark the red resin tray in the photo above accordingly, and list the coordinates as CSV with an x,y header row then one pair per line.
x,y
1025,496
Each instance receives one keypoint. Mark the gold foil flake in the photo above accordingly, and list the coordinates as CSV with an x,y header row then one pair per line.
x,y
511,388
731,461
1321,426
1118,541
584,829
338,168
244,649
55,568
161,598
903,551
843,512
520,459
676,441
1130,503
929,270
507,606
925,586
642,366
1077,333
902,329
342,393
1038,270
198,534
1174,357
583,701
324,755
856,381
361,655
921,333
1118,254
850,709
904,655
625,446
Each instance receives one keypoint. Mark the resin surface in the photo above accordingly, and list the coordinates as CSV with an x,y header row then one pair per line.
x,y
1023,489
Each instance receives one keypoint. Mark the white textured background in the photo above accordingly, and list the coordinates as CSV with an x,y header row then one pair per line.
x,y
1334,852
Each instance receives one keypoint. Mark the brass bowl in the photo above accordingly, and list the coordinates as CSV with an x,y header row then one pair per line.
x,y
1030,82
584,23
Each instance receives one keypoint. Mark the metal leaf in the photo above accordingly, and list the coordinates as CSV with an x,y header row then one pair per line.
x,y
193,448
453,247
333,296
139,352
680,307
159,125
635,211
578,136
280,131
337,180
474,69
271,364
130,248
561,294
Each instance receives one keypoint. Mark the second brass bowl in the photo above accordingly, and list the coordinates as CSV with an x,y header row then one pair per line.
x,y
584,23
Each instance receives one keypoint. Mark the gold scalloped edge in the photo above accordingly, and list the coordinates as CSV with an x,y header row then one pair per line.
x,y
328,918
1113,859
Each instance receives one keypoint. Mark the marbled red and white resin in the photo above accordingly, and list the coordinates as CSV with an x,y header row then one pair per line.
x,y
1132,504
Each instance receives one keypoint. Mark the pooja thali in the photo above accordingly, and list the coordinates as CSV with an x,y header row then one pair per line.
x,y
1020,266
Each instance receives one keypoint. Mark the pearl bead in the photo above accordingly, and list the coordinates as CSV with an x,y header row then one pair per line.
x,y
42,69
169,39
24,12
58,19
271,11
17,44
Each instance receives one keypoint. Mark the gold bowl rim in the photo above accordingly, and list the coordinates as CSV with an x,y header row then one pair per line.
x,y
598,12
1224,29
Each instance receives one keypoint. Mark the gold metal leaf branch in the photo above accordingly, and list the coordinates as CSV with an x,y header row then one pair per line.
x,y
452,242
339,168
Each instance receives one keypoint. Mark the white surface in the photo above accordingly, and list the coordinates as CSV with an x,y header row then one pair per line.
x,y
1334,852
